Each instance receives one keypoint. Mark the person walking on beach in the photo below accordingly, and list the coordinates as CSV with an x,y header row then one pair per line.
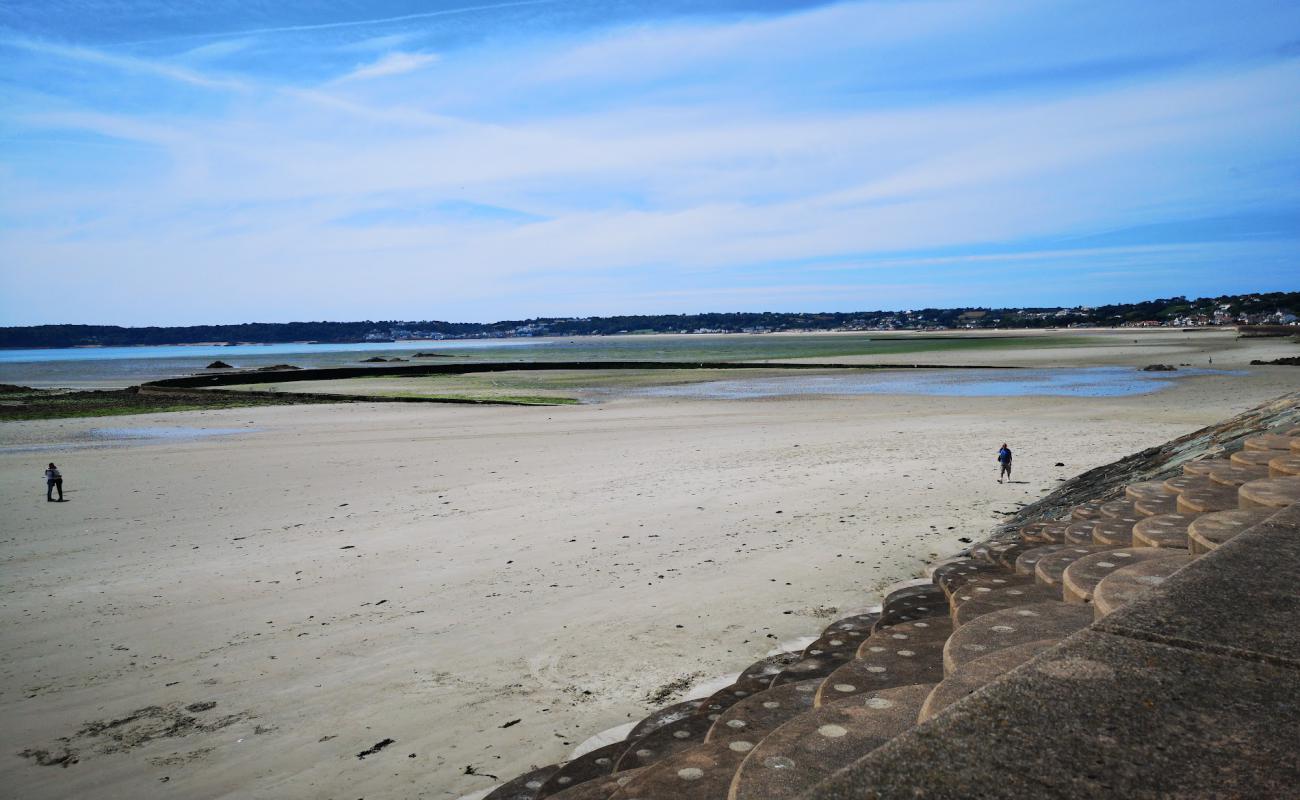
x,y
53,480
1004,458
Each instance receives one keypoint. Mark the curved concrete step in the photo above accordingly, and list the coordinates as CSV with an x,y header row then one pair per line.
x,y
526,786
1269,441
1284,466
665,715
1081,578
598,763
977,674
1203,500
1121,510
993,552
764,670
1080,532
838,644
1201,466
856,627
1165,530
1123,586
1086,511
797,755
1236,474
1151,506
985,584
1145,489
811,667
598,788
669,740
1007,558
1270,493
753,717
1050,570
1011,627
1209,531
1254,458
703,772
1028,560
1114,532
1012,596
903,655
1176,484
952,575
912,603
1047,532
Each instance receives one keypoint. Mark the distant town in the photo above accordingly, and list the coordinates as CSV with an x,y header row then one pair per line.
x,y
1261,310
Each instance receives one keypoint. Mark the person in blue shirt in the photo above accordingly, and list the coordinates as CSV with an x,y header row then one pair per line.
x,y
1004,458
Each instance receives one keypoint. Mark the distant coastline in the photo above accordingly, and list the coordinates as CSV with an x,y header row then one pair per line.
x,y
1262,309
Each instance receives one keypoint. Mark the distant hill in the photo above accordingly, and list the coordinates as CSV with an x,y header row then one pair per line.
x,y
1256,309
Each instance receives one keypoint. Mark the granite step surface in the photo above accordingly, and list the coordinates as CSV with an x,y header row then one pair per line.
x,y
1203,500
1050,570
1081,577
701,772
1010,597
1276,493
1164,530
1114,532
1123,586
1209,531
1011,627
978,673
810,747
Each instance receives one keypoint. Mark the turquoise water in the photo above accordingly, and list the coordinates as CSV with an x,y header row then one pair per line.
x,y
1065,382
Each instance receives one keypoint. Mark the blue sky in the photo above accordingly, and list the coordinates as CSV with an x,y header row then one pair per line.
x,y
172,163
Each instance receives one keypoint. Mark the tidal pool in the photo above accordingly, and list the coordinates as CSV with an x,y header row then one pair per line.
x,y
1066,382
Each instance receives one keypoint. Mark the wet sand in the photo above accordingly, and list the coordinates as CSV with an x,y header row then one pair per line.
x,y
338,576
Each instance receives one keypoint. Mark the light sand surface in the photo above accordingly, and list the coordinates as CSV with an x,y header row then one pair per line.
x,y
558,566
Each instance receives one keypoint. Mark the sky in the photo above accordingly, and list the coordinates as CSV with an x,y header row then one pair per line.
x,y
171,163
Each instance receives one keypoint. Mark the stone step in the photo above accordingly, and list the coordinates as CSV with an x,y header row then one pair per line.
x,y
1203,500
1029,559
1085,511
1235,475
1284,466
1209,531
702,772
1027,594
1120,509
1270,493
1269,441
1164,530
1254,458
984,584
809,667
1011,627
663,716
1080,532
912,603
995,552
668,740
758,677
598,763
1151,506
599,788
1201,466
1007,558
856,627
753,717
1050,570
526,786
1052,532
1145,489
1081,577
839,644
1176,484
953,574
1114,532
977,674
799,754
1122,586
901,656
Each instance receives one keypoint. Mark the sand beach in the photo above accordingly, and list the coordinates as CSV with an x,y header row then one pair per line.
x,y
403,601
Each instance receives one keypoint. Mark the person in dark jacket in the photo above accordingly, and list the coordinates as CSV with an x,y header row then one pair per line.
x,y
53,481
1004,458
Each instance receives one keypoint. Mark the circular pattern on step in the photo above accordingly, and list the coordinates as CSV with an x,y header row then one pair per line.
x,y
1276,493
1081,578
1049,620
1125,585
1164,530
1284,466
1051,568
1236,474
1202,500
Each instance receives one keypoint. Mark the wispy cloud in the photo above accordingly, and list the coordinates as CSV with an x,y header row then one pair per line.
x,y
658,166
390,64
